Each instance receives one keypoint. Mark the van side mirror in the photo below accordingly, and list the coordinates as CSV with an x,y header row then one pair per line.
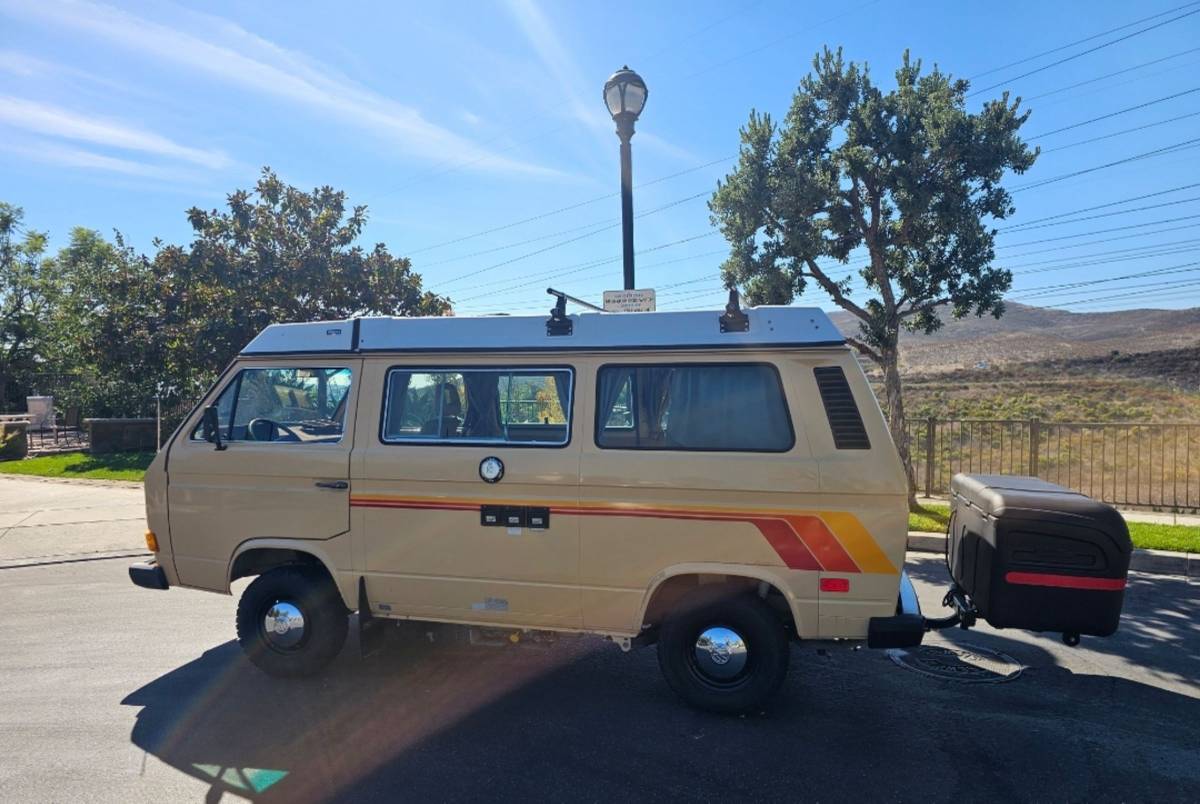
x,y
211,427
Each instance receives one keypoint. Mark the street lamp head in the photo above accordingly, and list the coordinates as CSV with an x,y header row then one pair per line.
x,y
625,96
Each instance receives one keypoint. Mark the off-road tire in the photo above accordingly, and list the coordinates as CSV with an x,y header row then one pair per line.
x,y
766,641
325,620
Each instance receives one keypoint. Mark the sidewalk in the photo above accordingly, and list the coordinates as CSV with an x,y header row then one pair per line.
x,y
1130,514
50,523
1157,562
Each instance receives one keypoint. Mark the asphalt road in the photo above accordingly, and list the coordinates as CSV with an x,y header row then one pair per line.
x,y
113,693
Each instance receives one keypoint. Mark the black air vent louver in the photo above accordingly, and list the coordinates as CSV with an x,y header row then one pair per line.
x,y
843,415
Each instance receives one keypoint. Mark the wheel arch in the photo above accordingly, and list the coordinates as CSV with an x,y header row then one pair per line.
x,y
670,585
256,556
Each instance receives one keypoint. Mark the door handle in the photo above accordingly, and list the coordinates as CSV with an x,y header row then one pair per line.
x,y
332,484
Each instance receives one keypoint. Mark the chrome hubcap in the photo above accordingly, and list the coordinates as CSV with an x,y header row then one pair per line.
x,y
283,625
721,653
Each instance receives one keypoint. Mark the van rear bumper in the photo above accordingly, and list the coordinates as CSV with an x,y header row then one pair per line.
x,y
148,575
906,628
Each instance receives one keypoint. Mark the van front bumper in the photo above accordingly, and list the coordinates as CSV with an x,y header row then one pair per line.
x,y
148,575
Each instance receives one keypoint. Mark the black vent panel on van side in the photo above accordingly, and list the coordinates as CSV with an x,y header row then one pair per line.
x,y
844,419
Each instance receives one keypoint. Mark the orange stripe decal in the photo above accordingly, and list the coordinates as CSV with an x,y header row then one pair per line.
x,y
835,542
823,544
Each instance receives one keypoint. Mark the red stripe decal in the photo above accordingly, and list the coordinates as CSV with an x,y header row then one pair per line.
x,y
781,537
823,544
797,540
1065,581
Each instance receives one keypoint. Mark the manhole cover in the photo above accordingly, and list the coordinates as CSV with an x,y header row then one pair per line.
x,y
966,664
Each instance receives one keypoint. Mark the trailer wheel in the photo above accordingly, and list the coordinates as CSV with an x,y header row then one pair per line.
x,y
291,621
726,655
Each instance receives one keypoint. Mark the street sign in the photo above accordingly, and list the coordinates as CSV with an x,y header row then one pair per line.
x,y
629,301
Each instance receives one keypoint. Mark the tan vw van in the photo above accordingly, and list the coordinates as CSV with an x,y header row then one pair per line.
x,y
718,484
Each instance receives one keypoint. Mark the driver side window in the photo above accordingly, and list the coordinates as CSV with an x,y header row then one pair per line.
x,y
284,405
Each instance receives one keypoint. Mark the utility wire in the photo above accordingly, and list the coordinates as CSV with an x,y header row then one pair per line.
x,y
1061,48
1120,133
1082,53
1102,231
1111,75
1092,242
1183,145
1113,114
1174,269
1101,206
569,207
1028,227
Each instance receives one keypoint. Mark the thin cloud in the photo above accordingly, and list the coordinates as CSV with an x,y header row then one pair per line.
x,y
53,153
232,54
41,118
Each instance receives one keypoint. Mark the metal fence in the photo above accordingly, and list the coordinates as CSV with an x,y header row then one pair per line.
x,y
1124,463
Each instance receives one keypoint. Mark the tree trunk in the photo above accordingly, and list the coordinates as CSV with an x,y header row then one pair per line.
x,y
895,412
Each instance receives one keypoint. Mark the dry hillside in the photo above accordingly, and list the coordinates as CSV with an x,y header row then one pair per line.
x,y
1034,334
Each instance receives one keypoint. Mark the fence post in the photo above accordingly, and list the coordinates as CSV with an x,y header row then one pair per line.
x,y
1035,443
930,424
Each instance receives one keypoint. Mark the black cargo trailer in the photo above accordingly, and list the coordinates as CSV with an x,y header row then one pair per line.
x,y
1037,556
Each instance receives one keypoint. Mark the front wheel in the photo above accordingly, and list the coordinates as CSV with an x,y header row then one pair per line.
x,y
727,655
291,621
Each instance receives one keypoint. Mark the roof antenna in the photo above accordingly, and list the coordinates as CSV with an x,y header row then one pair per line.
x,y
558,323
734,319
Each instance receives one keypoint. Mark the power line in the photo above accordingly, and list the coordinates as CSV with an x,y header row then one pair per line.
x,y
561,243
1079,41
1112,75
1183,145
1119,133
569,207
1085,52
1113,114
596,263
605,224
1092,242
1125,291
1102,231
1174,269
1156,248
1027,227
1101,206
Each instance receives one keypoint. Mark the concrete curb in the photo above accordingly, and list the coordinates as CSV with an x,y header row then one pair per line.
x,y
1155,562
74,481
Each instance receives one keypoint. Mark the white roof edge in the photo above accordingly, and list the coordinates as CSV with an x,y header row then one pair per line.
x,y
770,326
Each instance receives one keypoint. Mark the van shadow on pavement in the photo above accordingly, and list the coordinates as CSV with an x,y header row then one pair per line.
x,y
582,721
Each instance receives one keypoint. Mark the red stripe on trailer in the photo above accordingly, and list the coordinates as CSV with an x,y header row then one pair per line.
x,y
1065,581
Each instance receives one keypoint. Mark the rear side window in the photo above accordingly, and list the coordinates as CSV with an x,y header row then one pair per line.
x,y
718,407
468,406
844,419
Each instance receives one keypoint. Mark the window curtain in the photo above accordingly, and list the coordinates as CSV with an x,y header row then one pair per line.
x,y
562,386
482,419
726,407
397,400
653,391
610,382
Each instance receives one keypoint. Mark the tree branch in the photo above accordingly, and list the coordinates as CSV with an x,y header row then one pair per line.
x,y
835,292
921,308
862,346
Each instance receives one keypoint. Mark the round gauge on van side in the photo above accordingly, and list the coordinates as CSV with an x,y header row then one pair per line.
x,y
491,469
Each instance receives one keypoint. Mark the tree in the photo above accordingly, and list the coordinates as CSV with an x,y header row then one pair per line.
x,y
902,181
137,326
27,288
278,254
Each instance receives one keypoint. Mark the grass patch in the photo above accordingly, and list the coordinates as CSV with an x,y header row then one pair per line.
x,y
1145,535
930,519
116,466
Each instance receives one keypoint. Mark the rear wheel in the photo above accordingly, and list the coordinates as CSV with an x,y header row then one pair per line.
x,y
726,655
291,621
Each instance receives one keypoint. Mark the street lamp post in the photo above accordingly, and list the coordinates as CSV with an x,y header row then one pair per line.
x,y
625,96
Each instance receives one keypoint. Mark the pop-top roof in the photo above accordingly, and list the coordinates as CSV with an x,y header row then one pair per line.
x,y
768,327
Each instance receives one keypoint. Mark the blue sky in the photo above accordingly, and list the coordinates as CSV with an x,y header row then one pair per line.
x,y
453,122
